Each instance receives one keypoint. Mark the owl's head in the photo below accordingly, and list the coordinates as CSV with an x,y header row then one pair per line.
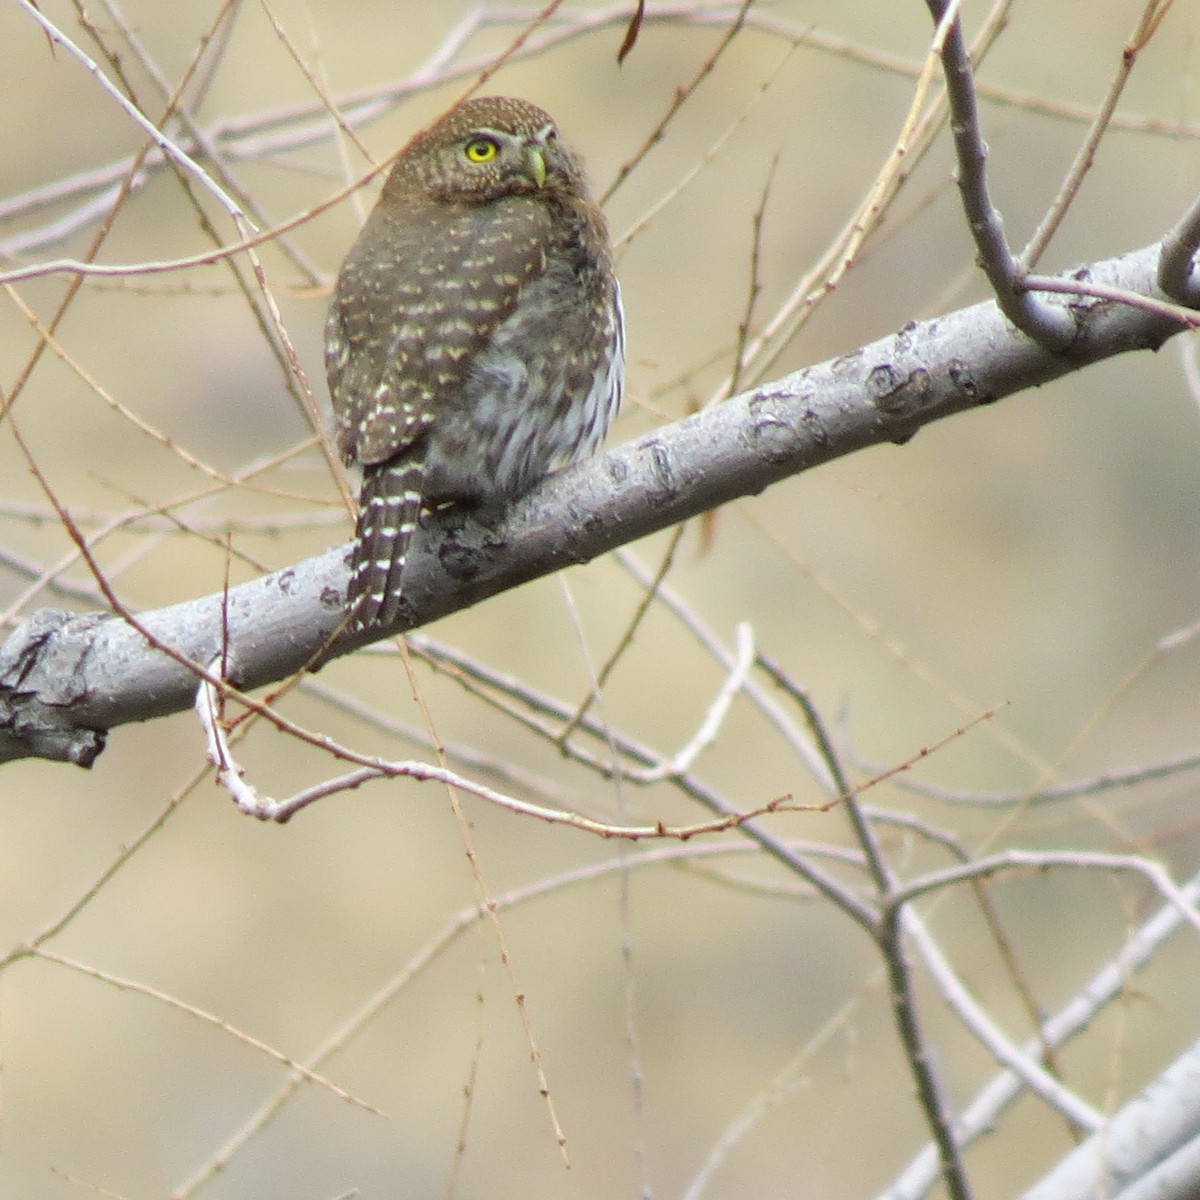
x,y
488,147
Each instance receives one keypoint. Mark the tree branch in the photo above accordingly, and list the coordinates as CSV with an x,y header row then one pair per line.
x,y
1030,312
65,679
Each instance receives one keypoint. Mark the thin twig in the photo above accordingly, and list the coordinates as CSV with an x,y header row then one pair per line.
x,y
479,679
1150,20
1030,860
1025,1066
708,729
813,760
418,964
679,98
192,1010
1187,317
629,633
164,143
1096,785
231,776
754,286
914,139
1076,1015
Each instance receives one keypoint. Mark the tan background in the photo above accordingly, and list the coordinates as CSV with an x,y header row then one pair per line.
x,y
1030,555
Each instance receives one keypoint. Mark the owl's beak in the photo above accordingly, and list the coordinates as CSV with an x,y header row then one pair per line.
x,y
537,164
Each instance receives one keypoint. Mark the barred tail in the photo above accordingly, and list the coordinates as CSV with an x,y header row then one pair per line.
x,y
389,505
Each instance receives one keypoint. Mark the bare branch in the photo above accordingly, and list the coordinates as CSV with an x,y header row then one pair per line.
x,y
65,680
1176,275
130,985
1072,1019
164,143
1151,1148
973,1015
1049,324
1091,144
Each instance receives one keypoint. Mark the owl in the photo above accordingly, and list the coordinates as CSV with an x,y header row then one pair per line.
x,y
475,341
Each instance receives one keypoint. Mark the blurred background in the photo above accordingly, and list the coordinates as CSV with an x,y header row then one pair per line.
x,y
1031,557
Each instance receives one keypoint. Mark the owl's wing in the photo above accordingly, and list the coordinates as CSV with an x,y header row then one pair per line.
x,y
421,293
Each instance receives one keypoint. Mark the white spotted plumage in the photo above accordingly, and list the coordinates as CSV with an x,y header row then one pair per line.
x,y
476,340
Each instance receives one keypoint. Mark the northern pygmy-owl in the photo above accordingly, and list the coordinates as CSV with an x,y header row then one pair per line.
x,y
475,341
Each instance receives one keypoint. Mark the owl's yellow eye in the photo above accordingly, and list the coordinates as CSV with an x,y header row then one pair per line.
x,y
481,150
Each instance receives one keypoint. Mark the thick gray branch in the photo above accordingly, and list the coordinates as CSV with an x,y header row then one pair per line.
x,y
1150,1150
65,680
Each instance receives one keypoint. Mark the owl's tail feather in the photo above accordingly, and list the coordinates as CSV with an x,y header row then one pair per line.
x,y
389,506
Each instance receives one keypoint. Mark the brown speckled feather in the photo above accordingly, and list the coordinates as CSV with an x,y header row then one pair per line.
x,y
475,339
